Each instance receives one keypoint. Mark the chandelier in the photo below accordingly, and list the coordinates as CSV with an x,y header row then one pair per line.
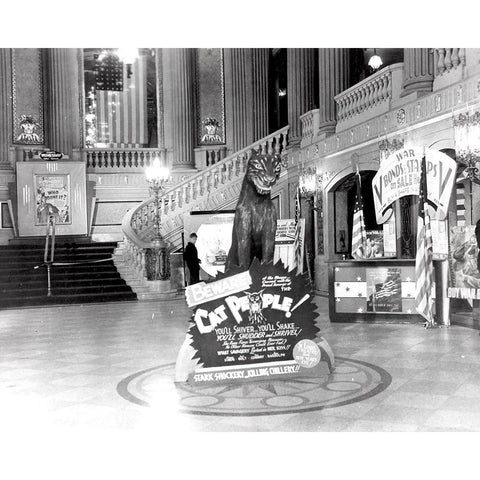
x,y
467,143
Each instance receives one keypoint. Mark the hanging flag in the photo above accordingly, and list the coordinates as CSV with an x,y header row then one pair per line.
x,y
424,256
122,115
359,236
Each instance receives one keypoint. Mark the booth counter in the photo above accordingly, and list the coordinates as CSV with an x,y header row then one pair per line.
x,y
381,290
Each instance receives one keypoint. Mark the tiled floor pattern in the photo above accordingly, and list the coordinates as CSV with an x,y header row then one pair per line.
x,y
61,367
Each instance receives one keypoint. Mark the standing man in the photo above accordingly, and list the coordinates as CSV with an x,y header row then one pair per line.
x,y
190,255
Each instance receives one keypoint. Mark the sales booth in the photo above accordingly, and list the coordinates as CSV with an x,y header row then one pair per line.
x,y
378,282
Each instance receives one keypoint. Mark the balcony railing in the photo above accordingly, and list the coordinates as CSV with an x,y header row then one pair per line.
x,y
448,59
370,97
211,189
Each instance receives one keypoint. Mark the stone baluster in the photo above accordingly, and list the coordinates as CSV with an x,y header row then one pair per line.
x,y
461,56
448,58
63,105
455,57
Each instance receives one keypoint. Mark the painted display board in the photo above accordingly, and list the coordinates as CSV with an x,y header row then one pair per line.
x,y
253,323
46,188
464,274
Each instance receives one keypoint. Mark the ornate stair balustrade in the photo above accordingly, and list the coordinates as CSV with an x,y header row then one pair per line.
x,y
448,59
370,97
213,188
108,160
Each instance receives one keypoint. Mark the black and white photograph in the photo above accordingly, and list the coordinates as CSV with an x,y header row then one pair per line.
x,y
208,236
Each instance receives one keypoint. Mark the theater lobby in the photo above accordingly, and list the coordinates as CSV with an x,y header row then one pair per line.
x,y
240,261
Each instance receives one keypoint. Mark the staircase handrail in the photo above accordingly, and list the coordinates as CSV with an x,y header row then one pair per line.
x,y
127,229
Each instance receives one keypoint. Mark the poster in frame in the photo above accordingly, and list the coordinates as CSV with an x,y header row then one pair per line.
x,y
52,194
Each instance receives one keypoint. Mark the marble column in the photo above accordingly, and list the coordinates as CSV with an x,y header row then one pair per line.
x,y
300,88
5,105
65,124
260,92
418,70
333,77
238,100
181,63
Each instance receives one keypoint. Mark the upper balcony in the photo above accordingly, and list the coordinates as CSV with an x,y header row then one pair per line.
x,y
369,98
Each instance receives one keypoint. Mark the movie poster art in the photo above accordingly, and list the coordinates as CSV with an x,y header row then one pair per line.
x,y
213,243
52,194
384,289
252,323
289,243
464,278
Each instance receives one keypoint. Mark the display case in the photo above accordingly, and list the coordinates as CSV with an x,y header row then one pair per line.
x,y
377,290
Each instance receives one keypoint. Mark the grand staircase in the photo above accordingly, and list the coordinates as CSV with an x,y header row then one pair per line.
x,y
214,188
85,274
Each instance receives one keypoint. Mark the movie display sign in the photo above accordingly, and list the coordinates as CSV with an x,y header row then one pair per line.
x,y
52,198
264,315
465,278
399,176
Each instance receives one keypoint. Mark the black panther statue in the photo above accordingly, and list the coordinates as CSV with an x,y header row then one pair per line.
x,y
255,219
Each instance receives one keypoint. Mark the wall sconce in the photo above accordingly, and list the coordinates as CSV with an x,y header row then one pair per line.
x,y
312,185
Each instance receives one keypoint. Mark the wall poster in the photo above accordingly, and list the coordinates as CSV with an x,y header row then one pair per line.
x,y
289,243
52,194
465,277
384,289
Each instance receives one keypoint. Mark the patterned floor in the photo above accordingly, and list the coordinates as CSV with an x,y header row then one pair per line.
x,y
61,367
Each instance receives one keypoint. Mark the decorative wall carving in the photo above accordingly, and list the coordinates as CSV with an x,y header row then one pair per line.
x,y
28,97
210,96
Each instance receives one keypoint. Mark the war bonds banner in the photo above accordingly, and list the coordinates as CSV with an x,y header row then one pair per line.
x,y
399,176
254,323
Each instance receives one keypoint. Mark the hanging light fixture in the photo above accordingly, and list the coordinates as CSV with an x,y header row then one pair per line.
x,y
375,61
128,56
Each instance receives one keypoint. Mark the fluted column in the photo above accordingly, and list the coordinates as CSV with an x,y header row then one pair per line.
x,y
418,70
238,97
260,92
5,105
333,77
64,129
300,88
183,113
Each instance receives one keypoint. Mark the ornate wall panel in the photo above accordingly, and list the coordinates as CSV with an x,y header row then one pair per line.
x,y
28,97
210,93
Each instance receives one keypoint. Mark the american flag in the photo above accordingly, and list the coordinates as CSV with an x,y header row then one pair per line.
x,y
388,289
122,115
424,256
359,236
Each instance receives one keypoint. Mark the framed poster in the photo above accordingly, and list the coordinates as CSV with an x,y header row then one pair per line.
x,y
384,289
52,193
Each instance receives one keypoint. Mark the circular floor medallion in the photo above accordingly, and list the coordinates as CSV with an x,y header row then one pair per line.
x,y
352,381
